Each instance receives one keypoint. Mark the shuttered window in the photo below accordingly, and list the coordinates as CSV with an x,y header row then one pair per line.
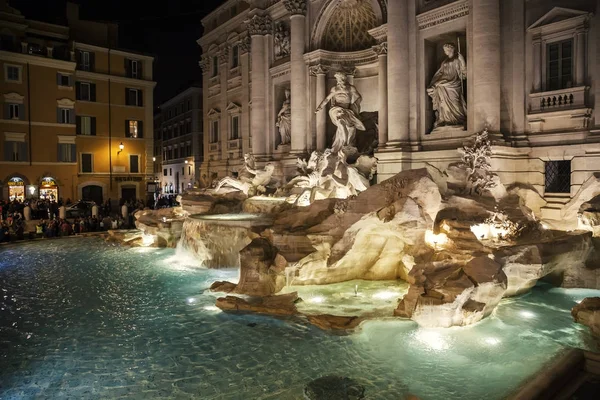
x,y
134,166
15,151
14,111
86,125
86,162
133,97
66,152
85,91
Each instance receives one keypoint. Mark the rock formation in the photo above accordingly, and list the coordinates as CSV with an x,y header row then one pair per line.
x,y
588,313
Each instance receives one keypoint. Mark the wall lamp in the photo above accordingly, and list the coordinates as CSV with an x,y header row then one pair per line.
x,y
153,159
121,147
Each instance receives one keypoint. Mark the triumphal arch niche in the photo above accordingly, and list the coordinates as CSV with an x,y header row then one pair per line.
x,y
347,43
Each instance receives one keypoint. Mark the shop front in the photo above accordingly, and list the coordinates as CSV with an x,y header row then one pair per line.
x,y
16,188
48,189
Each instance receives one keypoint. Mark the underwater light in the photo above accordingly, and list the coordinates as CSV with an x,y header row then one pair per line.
x,y
191,300
317,299
211,308
385,295
432,339
527,314
492,341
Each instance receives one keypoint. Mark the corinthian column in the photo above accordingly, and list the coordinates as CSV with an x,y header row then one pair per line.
x,y
258,27
297,10
485,20
320,72
382,115
398,77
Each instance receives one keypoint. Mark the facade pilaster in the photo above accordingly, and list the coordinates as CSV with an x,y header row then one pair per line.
x,y
224,124
245,73
580,43
320,73
398,75
537,64
205,67
382,115
297,10
258,27
485,104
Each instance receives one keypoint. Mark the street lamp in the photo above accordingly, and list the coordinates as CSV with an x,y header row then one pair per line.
x,y
121,147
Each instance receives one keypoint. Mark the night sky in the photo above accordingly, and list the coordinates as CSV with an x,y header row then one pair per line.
x,y
166,29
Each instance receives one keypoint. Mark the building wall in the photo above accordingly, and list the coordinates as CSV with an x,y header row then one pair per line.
x,y
181,136
501,56
42,97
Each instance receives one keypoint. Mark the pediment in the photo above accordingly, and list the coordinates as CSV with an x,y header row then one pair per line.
x,y
213,112
558,14
13,98
234,107
65,103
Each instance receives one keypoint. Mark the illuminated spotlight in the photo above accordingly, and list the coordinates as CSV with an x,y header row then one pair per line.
x,y
527,314
492,341
317,299
432,339
385,295
191,300
211,308
578,301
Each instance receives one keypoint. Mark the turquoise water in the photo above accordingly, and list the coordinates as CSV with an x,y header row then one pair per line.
x,y
83,319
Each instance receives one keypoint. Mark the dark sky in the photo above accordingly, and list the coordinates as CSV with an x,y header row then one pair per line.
x,y
167,29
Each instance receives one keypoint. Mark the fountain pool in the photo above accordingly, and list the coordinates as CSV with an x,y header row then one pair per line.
x,y
81,318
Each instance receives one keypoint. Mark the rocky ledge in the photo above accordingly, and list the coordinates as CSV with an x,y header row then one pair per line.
x,y
588,313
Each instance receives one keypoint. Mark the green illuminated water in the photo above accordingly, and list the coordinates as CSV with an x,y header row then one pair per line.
x,y
83,319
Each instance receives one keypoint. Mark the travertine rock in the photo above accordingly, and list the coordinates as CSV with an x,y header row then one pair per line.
x,y
164,223
329,322
261,271
334,388
284,304
588,313
444,294
525,264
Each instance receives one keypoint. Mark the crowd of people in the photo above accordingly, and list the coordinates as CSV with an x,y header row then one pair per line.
x,y
49,224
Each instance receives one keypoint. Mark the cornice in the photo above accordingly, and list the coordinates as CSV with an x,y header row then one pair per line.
x,y
331,58
116,79
443,14
36,60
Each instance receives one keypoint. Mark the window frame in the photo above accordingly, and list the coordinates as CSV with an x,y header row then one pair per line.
x,y
214,137
65,111
13,111
560,42
139,158
19,69
91,163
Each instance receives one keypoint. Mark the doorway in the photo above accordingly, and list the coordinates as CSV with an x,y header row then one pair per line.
x,y
92,193
128,193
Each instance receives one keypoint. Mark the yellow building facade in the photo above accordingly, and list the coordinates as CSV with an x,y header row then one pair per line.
x,y
76,118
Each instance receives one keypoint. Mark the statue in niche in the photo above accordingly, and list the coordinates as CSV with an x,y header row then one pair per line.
x,y
281,41
284,120
344,112
257,185
446,90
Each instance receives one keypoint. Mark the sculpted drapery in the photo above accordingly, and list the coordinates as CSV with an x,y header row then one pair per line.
x,y
446,90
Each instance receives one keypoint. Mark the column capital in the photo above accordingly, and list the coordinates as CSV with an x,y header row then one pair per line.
x,y
349,70
295,7
224,55
381,49
259,25
204,64
245,45
318,69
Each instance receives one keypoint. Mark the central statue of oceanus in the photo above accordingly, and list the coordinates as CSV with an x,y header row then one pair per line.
x,y
344,112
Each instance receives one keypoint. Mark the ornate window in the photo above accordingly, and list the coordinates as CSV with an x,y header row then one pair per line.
x,y
349,25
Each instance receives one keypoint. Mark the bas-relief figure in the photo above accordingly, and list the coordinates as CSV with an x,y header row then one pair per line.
x,y
344,112
281,41
446,90
284,119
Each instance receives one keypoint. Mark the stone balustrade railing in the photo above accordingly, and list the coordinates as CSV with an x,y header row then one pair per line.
x,y
234,144
557,100
214,147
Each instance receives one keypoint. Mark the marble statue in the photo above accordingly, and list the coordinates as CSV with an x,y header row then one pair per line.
x,y
284,120
344,112
246,174
255,186
446,90
281,41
